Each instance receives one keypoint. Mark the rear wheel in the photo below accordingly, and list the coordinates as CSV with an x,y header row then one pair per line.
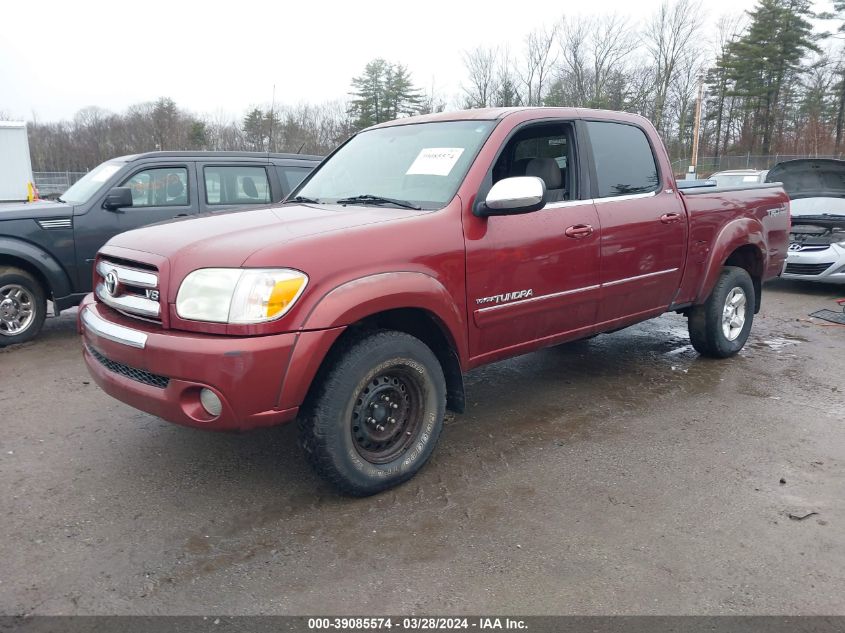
x,y
720,327
375,415
23,306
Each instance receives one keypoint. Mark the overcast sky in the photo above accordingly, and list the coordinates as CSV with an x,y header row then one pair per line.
x,y
59,56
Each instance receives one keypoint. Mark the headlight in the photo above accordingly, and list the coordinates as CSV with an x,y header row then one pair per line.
x,y
239,295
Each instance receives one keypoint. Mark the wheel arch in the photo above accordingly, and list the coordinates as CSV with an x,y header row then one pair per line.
x,y
741,244
410,302
37,262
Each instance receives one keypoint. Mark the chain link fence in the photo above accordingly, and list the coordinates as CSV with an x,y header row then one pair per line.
x,y
55,183
711,164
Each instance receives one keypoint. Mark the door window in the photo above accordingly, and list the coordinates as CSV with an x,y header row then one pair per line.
x,y
159,187
544,151
236,185
624,161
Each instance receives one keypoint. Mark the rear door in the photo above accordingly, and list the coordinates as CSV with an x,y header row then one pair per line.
x,y
160,191
232,185
643,229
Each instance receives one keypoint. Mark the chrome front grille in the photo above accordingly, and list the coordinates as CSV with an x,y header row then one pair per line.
x,y
129,290
805,248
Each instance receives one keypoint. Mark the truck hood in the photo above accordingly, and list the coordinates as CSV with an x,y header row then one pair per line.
x,y
40,210
229,238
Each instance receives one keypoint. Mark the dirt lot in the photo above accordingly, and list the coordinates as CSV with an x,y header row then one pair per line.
x,y
620,475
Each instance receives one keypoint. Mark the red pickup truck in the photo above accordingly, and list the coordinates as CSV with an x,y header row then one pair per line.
x,y
420,249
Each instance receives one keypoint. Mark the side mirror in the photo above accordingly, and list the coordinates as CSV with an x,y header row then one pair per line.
x,y
512,196
118,198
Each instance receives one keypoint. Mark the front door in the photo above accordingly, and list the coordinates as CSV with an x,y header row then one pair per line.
x,y
533,277
158,193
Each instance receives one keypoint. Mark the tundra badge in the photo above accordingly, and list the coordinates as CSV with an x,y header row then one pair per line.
x,y
508,296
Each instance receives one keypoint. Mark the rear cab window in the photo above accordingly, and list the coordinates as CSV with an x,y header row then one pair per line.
x,y
624,161
236,185
290,176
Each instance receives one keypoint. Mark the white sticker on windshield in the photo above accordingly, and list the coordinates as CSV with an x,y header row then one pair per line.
x,y
749,179
435,161
105,172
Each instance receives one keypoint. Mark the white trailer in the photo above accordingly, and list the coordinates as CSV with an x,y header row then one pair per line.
x,y
15,163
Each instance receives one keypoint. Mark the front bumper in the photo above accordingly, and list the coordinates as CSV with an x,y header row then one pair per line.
x,y
163,371
827,265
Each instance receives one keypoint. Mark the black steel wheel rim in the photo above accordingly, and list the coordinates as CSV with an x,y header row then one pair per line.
x,y
387,415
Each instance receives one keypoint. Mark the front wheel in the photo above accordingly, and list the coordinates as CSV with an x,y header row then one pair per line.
x,y
720,327
375,414
23,306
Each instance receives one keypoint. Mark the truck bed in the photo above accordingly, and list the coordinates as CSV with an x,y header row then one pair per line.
x,y
761,210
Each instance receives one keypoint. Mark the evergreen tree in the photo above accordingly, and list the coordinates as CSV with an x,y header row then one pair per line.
x,y
198,135
254,129
383,92
765,58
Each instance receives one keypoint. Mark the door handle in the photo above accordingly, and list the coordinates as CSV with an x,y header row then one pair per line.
x,y
669,218
578,231
181,215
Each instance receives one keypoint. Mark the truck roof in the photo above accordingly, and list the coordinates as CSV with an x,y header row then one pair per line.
x,y
492,114
209,154
15,124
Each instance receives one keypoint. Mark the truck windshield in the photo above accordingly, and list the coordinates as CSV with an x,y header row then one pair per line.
x,y
422,164
90,183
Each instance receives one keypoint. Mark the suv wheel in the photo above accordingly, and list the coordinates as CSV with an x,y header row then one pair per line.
x,y
375,415
23,306
720,327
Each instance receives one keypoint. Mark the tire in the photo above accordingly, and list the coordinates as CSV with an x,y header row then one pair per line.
x,y
360,454
23,306
716,329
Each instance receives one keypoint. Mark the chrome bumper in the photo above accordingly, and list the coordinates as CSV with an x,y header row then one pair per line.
x,y
112,331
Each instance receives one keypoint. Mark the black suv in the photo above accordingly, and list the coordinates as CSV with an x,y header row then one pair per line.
x,y
47,249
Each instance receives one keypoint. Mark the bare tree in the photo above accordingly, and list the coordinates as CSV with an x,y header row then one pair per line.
x,y
612,40
671,30
540,57
573,75
507,81
481,86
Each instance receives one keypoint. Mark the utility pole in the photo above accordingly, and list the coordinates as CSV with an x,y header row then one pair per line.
x,y
270,146
696,130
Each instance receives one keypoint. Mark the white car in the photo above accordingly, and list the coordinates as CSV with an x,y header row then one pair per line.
x,y
816,188
738,177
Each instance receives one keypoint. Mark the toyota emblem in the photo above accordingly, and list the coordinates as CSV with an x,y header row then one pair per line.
x,y
795,247
111,283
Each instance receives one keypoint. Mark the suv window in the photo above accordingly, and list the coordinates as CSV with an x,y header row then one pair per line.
x,y
624,161
236,185
291,177
159,187
544,151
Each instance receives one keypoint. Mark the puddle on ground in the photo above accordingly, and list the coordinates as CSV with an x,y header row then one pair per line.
x,y
777,343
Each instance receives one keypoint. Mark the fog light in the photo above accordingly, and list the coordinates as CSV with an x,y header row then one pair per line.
x,y
210,402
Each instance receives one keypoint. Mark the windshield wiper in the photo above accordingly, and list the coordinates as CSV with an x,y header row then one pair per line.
x,y
303,199
369,198
61,200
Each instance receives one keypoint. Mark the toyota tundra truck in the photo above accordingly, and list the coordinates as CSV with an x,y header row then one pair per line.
x,y
420,249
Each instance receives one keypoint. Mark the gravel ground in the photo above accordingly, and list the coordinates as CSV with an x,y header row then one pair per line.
x,y
619,475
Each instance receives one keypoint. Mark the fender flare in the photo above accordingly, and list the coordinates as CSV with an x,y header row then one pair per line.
x,y
735,234
46,265
359,298
356,300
